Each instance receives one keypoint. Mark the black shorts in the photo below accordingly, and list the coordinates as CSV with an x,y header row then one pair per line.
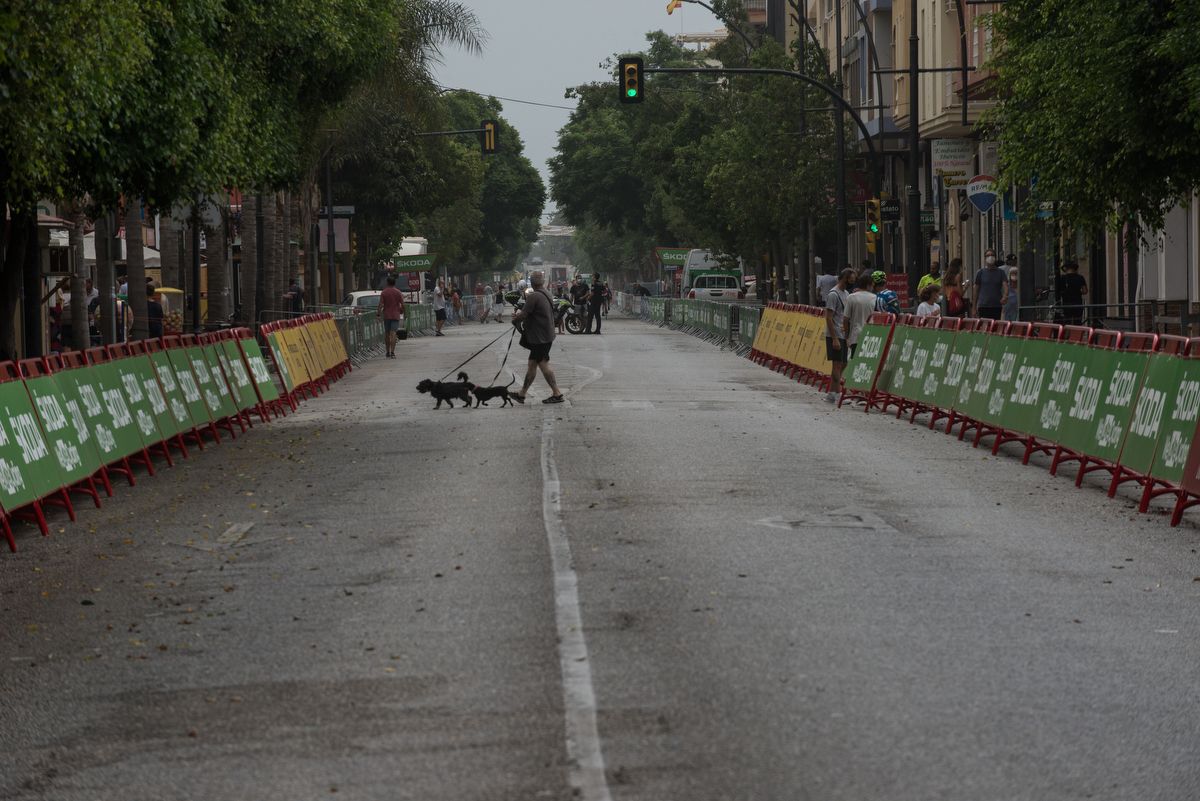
x,y
540,352
837,356
440,314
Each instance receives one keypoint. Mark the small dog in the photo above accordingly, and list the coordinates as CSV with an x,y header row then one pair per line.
x,y
485,394
448,390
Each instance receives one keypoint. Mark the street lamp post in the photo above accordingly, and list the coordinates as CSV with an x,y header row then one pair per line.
x,y
843,226
913,195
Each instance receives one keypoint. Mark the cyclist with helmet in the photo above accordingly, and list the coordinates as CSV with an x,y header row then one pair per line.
x,y
886,300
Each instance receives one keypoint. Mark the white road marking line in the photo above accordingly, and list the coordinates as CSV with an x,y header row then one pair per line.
x,y
586,773
234,533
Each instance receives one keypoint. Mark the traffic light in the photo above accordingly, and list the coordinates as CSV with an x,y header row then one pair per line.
x,y
872,208
631,82
488,136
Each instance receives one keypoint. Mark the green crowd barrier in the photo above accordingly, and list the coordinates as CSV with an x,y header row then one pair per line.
x,y
131,373
1164,419
258,369
173,393
238,375
748,321
192,395
285,375
116,421
864,365
66,431
28,469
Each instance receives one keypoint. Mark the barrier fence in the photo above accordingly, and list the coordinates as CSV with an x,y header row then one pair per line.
x,y
73,421
1126,405
725,324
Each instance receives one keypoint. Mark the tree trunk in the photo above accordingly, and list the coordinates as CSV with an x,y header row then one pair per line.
x,y
249,276
77,314
217,251
104,279
136,266
285,244
270,260
11,279
169,250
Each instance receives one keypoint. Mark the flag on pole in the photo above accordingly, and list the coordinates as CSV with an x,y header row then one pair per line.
x,y
674,4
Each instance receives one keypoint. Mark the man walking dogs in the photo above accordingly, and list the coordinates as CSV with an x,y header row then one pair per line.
x,y
536,324
391,308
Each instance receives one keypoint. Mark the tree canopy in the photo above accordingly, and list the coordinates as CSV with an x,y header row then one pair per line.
x,y
1100,103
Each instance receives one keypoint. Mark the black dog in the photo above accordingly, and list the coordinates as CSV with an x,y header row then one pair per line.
x,y
446,390
485,394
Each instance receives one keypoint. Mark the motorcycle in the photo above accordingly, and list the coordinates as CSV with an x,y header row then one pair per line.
x,y
564,311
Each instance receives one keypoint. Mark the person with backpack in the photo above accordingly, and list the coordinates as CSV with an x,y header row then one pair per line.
x,y
886,300
535,321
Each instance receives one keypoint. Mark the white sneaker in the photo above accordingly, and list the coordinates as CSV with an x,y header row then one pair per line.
x,y
831,397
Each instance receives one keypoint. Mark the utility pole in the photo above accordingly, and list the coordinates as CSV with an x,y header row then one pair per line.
x,y
912,233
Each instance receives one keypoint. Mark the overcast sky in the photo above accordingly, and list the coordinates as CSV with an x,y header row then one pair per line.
x,y
537,48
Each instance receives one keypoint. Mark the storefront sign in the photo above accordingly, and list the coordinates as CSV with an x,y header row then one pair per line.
x,y
953,160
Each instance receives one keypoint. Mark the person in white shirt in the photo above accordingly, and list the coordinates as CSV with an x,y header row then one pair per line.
x,y
930,296
439,306
859,308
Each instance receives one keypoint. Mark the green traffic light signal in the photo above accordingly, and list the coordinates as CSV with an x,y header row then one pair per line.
x,y
874,228
630,74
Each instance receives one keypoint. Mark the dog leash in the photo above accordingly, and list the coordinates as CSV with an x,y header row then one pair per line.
x,y
506,352
476,353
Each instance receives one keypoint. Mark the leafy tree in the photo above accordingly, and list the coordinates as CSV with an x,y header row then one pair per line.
x,y
1100,102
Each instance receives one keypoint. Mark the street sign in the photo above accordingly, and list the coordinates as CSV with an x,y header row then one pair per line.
x,y
927,218
981,191
338,211
889,210
953,160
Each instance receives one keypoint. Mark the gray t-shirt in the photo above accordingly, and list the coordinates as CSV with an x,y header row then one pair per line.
x,y
539,318
835,302
991,281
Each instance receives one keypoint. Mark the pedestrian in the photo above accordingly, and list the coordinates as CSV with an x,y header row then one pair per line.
x,y
991,288
484,293
934,276
1072,287
498,304
928,306
578,293
154,315
886,300
295,296
391,309
1012,306
825,282
595,301
859,308
952,288
439,306
836,331
536,323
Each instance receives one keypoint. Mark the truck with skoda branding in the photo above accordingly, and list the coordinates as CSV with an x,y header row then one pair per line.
x,y
709,276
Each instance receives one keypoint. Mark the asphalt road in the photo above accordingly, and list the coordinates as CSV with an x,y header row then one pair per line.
x,y
694,581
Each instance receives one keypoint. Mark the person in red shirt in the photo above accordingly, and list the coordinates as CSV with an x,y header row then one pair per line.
x,y
391,309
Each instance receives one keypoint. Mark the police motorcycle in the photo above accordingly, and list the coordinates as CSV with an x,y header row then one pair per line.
x,y
564,310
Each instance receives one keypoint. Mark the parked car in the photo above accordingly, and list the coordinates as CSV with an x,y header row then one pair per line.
x,y
716,287
360,303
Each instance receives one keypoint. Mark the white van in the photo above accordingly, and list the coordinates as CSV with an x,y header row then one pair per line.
x,y
707,276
